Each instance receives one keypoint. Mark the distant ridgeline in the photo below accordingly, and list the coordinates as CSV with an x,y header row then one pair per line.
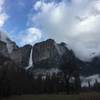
x,y
46,67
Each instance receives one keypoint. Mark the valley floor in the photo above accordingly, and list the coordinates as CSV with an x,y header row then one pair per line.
x,y
86,96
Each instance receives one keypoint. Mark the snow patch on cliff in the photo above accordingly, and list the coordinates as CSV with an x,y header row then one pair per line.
x,y
90,80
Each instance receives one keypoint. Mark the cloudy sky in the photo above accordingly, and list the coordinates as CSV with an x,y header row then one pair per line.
x,y
76,22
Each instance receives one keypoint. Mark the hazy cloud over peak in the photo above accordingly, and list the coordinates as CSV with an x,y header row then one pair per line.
x,y
76,23
31,35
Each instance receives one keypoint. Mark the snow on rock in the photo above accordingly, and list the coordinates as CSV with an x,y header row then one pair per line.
x,y
53,70
90,80
47,71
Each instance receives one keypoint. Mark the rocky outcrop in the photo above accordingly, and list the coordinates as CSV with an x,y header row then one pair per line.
x,y
11,46
91,68
21,55
6,63
7,67
47,54
3,48
9,43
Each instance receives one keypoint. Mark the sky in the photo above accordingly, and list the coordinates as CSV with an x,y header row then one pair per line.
x,y
75,22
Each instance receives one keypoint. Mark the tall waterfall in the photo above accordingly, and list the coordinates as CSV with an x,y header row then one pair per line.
x,y
30,60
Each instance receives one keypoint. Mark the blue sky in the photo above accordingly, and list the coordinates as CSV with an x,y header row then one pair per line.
x,y
18,12
75,22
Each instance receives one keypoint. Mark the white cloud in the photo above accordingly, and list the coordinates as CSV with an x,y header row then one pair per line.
x,y
3,18
30,36
3,14
1,5
76,23
38,5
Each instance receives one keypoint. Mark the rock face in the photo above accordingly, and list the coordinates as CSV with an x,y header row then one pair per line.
x,y
11,46
47,54
6,62
21,55
3,49
7,67
9,43
95,65
91,68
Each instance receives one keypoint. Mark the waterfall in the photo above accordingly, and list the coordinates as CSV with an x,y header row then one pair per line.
x,y
30,60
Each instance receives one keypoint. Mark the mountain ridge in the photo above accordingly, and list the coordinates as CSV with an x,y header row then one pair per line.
x,y
46,55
